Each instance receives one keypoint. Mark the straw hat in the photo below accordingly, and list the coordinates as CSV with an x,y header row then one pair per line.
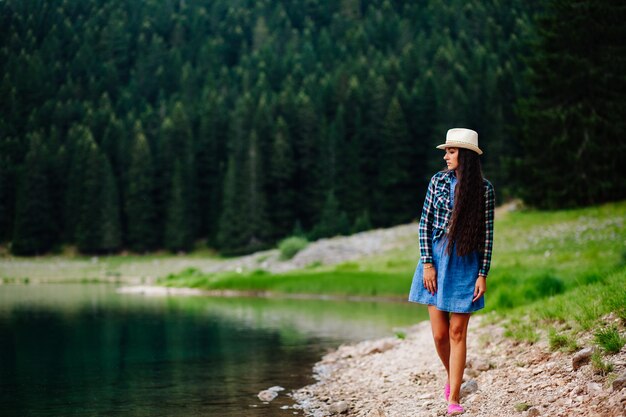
x,y
461,138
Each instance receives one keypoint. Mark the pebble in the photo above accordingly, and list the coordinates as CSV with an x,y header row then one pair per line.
x,y
267,395
581,357
407,379
338,408
533,412
468,387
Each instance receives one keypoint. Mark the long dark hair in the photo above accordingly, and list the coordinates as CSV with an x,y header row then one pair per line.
x,y
467,225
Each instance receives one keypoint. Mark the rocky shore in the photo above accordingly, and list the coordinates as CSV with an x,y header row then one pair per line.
x,y
394,377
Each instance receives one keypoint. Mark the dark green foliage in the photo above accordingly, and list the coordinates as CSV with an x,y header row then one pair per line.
x,y
398,196
178,235
97,225
333,220
140,207
575,117
266,108
282,193
362,222
34,225
291,245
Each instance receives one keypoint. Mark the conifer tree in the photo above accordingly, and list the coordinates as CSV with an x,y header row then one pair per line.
x,y
209,167
282,194
111,238
399,197
34,226
257,232
306,149
98,225
178,235
140,208
333,221
576,110
79,140
231,231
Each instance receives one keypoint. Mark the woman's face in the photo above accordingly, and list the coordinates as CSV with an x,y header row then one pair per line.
x,y
452,158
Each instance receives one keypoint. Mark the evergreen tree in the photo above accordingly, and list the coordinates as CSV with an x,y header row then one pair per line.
x,y
79,142
282,194
140,209
306,148
399,196
98,226
34,225
178,235
256,216
208,166
111,237
362,222
231,232
333,220
576,109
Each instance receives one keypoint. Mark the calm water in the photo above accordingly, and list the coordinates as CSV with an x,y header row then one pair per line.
x,y
83,349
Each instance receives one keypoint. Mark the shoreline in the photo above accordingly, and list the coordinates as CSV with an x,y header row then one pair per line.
x,y
392,377
161,291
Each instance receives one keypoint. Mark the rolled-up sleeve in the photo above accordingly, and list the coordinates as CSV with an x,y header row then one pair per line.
x,y
490,202
426,224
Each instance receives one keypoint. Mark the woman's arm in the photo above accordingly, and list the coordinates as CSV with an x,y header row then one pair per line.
x,y
490,202
426,224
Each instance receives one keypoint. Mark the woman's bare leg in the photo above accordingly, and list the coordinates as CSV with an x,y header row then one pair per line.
x,y
458,352
440,324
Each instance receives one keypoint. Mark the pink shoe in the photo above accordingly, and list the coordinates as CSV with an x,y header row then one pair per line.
x,y
446,391
454,409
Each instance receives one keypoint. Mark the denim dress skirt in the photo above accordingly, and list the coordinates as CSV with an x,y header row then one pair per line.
x,y
456,280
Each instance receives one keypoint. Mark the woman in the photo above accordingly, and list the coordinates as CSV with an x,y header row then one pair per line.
x,y
456,238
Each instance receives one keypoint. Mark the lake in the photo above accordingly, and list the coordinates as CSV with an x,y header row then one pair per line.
x,y
84,349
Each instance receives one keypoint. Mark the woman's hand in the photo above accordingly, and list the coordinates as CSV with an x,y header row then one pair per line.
x,y
480,288
430,278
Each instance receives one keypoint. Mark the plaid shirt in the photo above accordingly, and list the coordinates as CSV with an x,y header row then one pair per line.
x,y
436,215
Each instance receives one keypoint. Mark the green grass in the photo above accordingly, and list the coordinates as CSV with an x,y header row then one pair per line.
x,y
338,282
599,365
609,339
537,255
562,341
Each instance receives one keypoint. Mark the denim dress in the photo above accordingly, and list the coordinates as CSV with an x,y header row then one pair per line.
x,y
456,277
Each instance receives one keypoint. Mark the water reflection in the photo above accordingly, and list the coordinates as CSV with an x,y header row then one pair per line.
x,y
83,349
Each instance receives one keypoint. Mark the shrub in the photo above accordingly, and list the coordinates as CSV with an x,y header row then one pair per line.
x,y
291,245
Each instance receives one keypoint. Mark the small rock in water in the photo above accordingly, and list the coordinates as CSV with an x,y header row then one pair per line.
x,y
468,387
267,395
276,388
581,357
338,407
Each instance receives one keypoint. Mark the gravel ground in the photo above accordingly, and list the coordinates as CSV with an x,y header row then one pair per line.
x,y
404,377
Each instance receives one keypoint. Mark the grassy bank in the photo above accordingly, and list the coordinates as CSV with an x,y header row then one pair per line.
x,y
536,255
558,271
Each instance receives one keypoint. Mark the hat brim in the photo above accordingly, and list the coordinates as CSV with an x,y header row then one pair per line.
x,y
460,145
